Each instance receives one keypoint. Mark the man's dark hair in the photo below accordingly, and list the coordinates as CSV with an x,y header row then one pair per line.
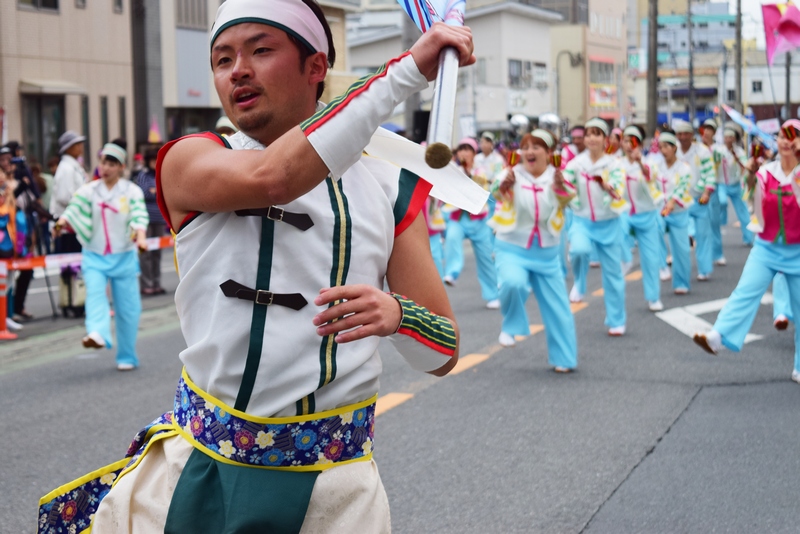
x,y
120,142
305,52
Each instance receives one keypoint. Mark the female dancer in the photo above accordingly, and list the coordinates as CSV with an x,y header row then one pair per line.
x,y
673,179
473,227
776,201
104,213
645,200
526,255
597,178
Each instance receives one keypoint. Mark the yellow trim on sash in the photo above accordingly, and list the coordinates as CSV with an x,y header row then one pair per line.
x,y
274,420
69,486
168,434
297,468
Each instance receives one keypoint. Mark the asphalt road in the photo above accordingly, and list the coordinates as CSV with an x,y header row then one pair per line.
x,y
650,435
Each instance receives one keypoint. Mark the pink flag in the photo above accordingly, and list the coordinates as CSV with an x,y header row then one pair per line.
x,y
781,28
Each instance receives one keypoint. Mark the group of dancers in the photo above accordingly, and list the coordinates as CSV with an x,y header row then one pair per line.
x,y
603,194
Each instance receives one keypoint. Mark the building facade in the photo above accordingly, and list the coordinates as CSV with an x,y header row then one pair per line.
x,y
513,74
65,64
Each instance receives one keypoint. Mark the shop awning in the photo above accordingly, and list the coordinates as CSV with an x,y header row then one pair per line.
x,y
50,87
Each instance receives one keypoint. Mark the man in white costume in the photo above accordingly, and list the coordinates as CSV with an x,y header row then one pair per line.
x,y
286,234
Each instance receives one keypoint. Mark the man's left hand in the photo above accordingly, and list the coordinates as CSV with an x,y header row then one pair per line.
x,y
363,311
705,197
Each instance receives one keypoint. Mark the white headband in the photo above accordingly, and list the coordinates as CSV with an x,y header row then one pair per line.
x,y
667,137
682,127
598,123
291,16
115,151
730,132
632,131
545,136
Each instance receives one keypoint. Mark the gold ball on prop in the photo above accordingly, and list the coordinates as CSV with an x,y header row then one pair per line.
x,y
438,155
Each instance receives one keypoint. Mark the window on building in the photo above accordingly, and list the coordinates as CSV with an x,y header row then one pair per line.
x,y
731,95
123,118
80,4
703,44
117,6
540,74
520,74
481,68
39,4
103,120
703,25
191,14
601,72
85,126
43,122
757,87
731,24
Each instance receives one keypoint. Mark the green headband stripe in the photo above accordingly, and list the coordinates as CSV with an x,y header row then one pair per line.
x,y
258,20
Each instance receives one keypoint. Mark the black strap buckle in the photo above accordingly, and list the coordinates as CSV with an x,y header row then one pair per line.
x,y
264,297
276,214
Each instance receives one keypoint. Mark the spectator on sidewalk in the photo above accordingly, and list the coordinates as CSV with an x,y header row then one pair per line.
x,y
68,178
150,260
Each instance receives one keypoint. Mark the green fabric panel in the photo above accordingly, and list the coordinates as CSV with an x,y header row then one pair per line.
x,y
408,183
216,498
257,324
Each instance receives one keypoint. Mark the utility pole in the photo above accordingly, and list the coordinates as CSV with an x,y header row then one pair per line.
x,y
692,110
410,34
737,104
652,68
788,113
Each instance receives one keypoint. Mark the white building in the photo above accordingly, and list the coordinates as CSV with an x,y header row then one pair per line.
x,y
763,88
513,74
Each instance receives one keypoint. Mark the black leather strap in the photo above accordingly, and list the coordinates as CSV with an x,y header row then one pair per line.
x,y
301,221
232,289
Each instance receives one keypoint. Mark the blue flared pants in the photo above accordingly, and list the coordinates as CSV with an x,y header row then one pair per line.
x,y
480,235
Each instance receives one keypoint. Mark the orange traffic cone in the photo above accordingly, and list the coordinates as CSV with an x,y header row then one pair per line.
x,y
4,333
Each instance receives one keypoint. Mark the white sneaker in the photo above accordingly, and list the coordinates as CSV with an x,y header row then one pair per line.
x,y
13,325
94,341
507,340
796,376
702,278
616,331
449,280
781,322
681,291
493,304
721,261
664,274
575,295
656,306
125,367
711,341
594,264
626,267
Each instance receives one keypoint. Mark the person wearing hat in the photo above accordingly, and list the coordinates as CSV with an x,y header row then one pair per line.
x,y
731,173
776,203
702,186
105,213
224,126
673,178
69,177
462,225
598,180
526,252
645,199
286,233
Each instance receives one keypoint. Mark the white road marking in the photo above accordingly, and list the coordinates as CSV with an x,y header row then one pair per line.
x,y
687,321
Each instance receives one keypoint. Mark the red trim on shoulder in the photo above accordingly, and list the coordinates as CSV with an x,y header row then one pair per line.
x,y
418,198
341,105
162,204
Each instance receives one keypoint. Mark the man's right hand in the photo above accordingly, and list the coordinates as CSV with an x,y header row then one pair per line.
x,y
508,181
428,47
